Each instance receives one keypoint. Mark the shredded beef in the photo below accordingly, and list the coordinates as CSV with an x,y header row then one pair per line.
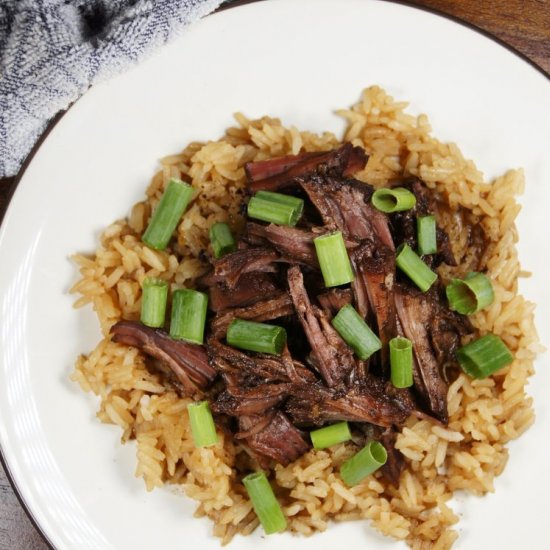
x,y
266,401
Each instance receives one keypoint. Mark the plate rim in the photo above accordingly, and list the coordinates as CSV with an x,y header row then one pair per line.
x,y
57,118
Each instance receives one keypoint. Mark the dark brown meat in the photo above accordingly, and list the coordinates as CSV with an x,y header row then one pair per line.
x,y
469,256
334,358
360,293
169,379
362,220
251,288
367,402
189,362
231,267
269,368
297,372
356,161
446,333
323,196
404,223
396,461
345,205
375,276
264,169
278,440
266,310
395,464
444,249
238,401
291,242
333,300
271,175
417,313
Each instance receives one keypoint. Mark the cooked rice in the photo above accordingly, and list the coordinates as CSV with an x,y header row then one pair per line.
x,y
484,414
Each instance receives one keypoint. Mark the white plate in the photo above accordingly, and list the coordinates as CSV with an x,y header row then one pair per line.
x,y
298,60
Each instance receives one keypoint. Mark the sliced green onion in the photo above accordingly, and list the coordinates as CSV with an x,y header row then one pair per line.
x,y
202,424
355,332
484,356
412,265
188,315
333,259
330,435
275,208
222,239
265,503
365,462
426,235
153,302
401,362
393,200
166,216
260,337
471,294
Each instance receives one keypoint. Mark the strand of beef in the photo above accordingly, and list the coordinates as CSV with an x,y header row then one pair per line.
x,y
238,401
189,362
276,174
434,330
267,368
403,224
265,169
395,464
292,242
334,358
315,405
345,205
229,269
375,277
265,310
279,439
251,288
333,300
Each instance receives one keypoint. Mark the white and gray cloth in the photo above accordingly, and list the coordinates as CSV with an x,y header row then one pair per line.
x,y
51,51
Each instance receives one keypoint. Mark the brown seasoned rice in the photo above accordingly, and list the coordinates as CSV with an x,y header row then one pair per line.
x,y
484,414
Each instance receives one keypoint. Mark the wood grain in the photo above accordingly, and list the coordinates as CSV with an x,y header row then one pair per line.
x,y
522,24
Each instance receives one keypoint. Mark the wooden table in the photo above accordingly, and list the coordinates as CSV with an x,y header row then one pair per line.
x,y
522,24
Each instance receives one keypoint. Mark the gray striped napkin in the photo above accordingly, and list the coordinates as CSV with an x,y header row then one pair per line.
x,y
51,51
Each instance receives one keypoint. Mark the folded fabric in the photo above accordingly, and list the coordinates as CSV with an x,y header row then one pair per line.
x,y
51,51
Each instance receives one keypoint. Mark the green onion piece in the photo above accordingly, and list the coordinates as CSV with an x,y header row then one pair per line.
x,y
333,259
330,435
471,294
222,239
401,362
153,302
365,462
202,424
260,337
410,263
482,357
393,200
188,315
355,332
426,235
275,208
265,503
166,216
